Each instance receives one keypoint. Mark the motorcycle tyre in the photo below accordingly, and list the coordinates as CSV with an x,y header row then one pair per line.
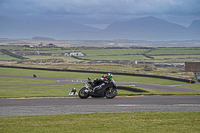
x,y
108,97
86,95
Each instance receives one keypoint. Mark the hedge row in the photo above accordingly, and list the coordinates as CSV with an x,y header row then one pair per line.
x,y
12,54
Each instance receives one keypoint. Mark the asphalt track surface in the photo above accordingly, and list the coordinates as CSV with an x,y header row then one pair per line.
x,y
75,105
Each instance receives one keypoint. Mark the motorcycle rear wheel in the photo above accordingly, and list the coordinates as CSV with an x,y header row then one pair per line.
x,y
83,94
111,93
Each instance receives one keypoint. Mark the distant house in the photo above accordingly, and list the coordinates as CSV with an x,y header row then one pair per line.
x,y
74,53
27,52
26,46
50,45
40,45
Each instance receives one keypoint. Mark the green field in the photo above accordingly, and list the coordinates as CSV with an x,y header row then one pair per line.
x,y
151,122
175,51
161,55
98,51
52,57
179,48
23,81
113,51
176,57
125,57
38,91
94,122
64,74
7,57
63,90
12,48
105,54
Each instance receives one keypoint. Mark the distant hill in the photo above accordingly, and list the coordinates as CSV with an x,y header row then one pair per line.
x,y
43,38
195,26
147,28
28,28
146,24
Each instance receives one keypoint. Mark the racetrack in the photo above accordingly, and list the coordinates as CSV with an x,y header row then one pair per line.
x,y
75,105
67,105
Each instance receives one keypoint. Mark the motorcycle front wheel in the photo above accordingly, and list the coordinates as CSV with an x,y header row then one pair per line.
x,y
83,93
111,93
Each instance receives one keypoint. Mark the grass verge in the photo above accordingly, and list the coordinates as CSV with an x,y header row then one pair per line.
x,y
105,122
64,74
63,91
37,91
23,81
193,86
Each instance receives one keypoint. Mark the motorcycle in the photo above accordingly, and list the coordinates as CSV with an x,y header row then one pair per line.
x,y
108,89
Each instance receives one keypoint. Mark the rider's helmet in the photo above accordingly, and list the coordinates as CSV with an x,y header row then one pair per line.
x,y
109,76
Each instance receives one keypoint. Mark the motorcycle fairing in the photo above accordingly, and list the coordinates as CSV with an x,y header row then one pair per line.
x,y
101,92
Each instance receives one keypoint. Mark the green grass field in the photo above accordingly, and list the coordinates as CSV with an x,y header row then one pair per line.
x,y
116,54
140,122
52,57
7,57
63,90
179,48
122,54
23,81
113,51
124,57
176,51
151,122
176,56
37,91
64,74
100,51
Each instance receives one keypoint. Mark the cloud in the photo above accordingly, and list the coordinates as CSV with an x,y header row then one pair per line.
x,y
100,9
101,6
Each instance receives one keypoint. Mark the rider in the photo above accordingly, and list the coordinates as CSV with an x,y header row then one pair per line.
x,y
109,76
101,81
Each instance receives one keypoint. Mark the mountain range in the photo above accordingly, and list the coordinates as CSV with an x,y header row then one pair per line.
x,y
146,28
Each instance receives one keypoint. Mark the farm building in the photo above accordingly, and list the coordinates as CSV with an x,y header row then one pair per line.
x,y
73,53
27,52
192,66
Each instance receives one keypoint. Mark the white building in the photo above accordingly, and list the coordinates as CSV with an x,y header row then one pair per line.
x,y
73,53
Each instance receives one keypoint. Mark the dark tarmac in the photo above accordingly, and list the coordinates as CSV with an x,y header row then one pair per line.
x,y
75,105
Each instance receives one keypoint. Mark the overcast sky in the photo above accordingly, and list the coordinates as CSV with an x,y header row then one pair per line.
x,y
103,12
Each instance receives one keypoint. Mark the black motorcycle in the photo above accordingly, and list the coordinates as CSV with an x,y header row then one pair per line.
x,y
107,89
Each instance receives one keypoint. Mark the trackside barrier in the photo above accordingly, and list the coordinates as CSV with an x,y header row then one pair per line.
x,y
101,72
